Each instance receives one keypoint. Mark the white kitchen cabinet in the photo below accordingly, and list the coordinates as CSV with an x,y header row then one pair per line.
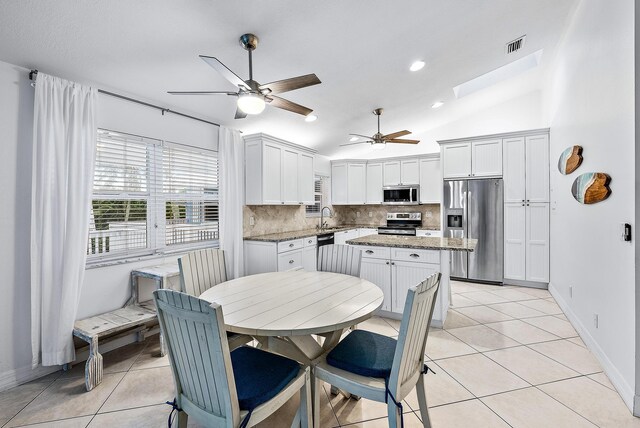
x,y
430,181
277,172
366,231
265,256
537,170
409,171
290,260
526,242
537,242
348,183
343,236
374,183
392,175
378,271
405,275
456,158
486,158
310,258
514,176
429,233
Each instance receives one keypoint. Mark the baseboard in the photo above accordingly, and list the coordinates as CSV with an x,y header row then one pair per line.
x,y
12,378
624,389
636,406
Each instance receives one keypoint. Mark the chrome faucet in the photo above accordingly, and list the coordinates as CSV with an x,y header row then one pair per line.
x,y
322,222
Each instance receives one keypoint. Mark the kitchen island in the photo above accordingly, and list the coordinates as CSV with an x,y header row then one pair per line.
x,y
396,263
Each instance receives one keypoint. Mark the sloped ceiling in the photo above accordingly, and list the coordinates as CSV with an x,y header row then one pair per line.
x,y
360,49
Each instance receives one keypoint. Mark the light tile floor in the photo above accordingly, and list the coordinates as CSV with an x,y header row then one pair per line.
x,y
507,357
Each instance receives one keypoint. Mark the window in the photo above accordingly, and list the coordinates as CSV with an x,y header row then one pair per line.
x,y
319,184
150,196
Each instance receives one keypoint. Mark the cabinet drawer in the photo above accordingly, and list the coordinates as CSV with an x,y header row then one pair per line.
x,y
310,241
420,256
289,245
430,233
375,252
290,260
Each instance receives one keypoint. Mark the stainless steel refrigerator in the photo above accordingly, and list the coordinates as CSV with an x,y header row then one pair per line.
x,y
474,209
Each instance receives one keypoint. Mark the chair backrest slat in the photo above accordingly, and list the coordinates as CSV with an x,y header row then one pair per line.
x,y
339,259
200,270
198,353
414,329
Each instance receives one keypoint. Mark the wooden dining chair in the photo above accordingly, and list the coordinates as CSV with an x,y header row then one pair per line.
x,y
199,271
379,368
339,259
219,388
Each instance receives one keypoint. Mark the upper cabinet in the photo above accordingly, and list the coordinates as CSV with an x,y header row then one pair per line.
x,y
526,169
349,183
430,181
486,158
392,173
456,160
277,172
374,183
401,172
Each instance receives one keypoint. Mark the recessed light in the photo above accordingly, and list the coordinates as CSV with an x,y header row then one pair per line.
x,y
310,118
352,139
418,65
437,104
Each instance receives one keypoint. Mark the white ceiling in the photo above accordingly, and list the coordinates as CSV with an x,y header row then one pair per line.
x,y
360,49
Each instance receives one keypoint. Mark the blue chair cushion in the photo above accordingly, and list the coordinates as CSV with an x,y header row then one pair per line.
x,y
260,375
364,353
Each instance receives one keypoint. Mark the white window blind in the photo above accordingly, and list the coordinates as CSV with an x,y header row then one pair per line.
x,y
150,196
318,191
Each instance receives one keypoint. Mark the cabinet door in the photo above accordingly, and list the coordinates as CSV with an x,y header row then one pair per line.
x,y
486,158
392,173
537,180
340,238
309,258
378,271
339,184
290,260
290,177
405,275
356,183
515,241
374,183
537,233
430,181
306,183
514,167
366,232
457,160
272,174
409,171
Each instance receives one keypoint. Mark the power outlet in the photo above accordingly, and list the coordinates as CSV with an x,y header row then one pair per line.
x,y
428,214
571,291
252,221
370,214
595,320
357,213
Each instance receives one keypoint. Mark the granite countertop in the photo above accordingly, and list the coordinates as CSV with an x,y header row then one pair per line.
x,y
417,242
297,234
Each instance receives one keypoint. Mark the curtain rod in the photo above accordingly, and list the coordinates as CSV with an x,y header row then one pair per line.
x,y
34,73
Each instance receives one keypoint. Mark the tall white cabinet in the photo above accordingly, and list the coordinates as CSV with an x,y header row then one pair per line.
x,y
277,172
526,208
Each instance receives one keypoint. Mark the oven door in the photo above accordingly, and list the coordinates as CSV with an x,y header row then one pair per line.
x,y
400,195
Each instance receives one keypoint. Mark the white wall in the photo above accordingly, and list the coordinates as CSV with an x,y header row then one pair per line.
x,y
590,101
105,288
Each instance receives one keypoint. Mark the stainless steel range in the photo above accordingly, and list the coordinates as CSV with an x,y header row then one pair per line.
x,y
401,224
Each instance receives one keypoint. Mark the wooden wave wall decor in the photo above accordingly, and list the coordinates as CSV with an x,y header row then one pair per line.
x,y
591,187
570,160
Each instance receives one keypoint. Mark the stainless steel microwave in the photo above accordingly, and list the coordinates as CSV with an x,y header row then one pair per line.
x,y
401,195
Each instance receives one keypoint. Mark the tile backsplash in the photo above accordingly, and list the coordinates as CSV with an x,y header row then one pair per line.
x,y
285,218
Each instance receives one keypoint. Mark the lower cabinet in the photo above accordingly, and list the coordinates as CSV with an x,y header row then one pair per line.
x,y
526,242
343,236
290,260
310,258
396,270
261,257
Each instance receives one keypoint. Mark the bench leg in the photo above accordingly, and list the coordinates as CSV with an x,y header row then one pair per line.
x,y
93,367
163,346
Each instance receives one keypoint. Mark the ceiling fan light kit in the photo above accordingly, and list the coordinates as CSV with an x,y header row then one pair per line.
x,y
252,96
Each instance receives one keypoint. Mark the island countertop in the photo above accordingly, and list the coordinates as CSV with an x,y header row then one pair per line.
x,y
417,242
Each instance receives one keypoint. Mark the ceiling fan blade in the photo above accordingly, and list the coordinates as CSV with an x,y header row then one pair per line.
x,y
401,141
201,93
286,85
363,136
396,134
240,114
225,72
359,142
288,105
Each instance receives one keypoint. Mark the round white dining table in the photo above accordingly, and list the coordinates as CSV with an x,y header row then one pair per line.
x,y
286,311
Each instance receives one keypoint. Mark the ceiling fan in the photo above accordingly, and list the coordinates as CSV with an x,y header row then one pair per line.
x,y
252,96
378,140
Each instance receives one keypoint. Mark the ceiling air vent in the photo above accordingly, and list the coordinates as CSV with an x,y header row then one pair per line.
x,y
515,45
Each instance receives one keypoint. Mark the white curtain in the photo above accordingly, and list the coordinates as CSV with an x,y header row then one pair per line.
x,y
64,144
231,152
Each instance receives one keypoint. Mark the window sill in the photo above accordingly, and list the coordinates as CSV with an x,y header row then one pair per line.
x,y
158,255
